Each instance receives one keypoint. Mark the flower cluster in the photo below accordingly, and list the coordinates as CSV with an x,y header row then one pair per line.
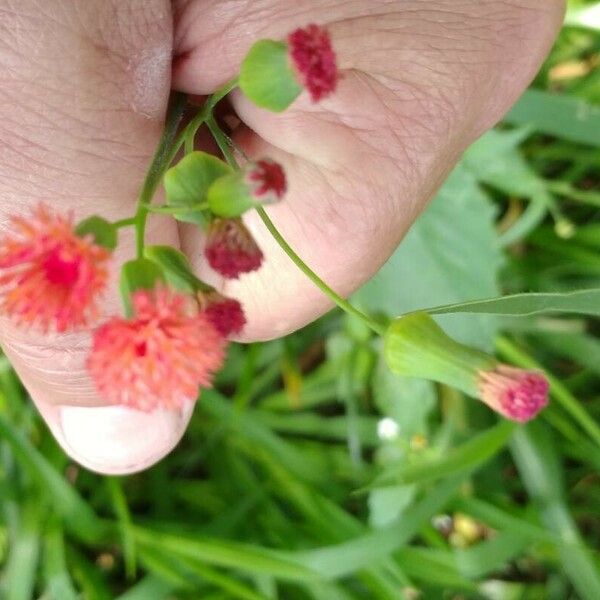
x,y
173,338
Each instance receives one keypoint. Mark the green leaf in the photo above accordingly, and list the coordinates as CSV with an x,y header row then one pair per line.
x,y
580,348
59,584
186,184
78,516
229,196
19,571
149,588
462,459
342,559
451,254
541,473
586,302
266,76
433,567
104,233
566,117
138,274
121,509
226,553
490,555
176,267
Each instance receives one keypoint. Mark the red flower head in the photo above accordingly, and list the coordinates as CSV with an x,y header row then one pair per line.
x,y
267,181
314,61
231,249
159,357
226,314
515,393
50,277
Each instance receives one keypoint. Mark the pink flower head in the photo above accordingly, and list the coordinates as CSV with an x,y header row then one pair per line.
x,y
158,358
314,61
267,181
517,394
226,314
231,249
49,277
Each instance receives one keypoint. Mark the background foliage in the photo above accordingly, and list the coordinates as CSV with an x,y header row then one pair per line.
x,y
312,472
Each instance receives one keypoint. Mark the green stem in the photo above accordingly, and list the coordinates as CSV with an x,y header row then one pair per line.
x,y
174,210
189,134
162,159
222,141
124,223
341,302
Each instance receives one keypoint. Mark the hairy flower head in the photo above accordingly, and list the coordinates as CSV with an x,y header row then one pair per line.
x,y
49,276
231,249
266,179
158,358
226,314
517,394
314,61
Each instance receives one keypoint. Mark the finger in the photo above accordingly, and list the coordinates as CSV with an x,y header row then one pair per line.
x,y
420,81
83,97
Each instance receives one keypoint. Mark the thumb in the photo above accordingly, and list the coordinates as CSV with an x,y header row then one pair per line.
x,y
82,110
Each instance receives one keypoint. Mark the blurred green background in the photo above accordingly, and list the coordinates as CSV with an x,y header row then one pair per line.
x,y
312,472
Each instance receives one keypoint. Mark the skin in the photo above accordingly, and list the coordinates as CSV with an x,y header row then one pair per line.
x,y
83,94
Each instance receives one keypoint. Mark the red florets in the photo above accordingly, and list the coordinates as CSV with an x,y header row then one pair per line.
x,y
50,277
266,179
230,248
517,394
226,314
158,358
314,60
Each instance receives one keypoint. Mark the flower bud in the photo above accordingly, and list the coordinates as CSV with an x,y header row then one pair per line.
x,y
416,346
231,249
517,394
226,314
267,181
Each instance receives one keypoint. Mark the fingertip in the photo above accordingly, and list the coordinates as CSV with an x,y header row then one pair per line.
x,y
116,440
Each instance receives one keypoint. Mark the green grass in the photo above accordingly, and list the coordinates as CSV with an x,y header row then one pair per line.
x,y
283,488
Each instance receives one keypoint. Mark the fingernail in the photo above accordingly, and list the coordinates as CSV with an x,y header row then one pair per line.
x,y
115,440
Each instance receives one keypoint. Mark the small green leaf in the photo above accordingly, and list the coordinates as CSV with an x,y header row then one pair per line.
x,y
187,183
229,196
104,232
137,274
266,76
176,266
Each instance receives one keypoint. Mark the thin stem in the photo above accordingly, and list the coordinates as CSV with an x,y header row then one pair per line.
x,y
341,302
124,223
174,210
222,141
188,135
162,159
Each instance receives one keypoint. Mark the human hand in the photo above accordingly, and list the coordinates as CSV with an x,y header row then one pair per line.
x,y
84,92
